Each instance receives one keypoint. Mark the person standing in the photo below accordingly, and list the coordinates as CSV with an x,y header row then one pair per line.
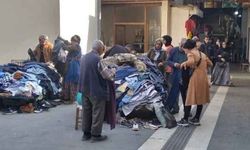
x,y
95,91
208,48
157,55
176,57
167,41
221,72
72,70
198,87
43,51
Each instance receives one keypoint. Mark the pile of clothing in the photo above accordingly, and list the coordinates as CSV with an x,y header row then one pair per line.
x,y
139,86
32,83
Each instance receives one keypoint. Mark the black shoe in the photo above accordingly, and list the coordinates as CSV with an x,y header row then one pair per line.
x,y
183,122
98,138
86,137
190,115
9,111
174,112
194,121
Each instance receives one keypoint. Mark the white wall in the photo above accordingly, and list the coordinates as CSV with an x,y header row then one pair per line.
x,y
22,21
179,16
80,17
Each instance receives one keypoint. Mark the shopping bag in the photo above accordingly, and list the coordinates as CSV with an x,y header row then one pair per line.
x,y
79,98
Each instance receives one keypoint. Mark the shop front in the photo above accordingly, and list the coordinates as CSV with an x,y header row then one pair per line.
x,y
132,22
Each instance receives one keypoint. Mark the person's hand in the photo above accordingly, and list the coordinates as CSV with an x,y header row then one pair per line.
x,y
66,42
160,64
223,60
177,65
183,66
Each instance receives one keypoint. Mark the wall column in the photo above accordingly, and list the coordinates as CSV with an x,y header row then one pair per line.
x,y
165,17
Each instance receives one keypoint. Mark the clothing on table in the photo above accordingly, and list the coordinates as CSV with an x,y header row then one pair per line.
x,y
108,65
116,49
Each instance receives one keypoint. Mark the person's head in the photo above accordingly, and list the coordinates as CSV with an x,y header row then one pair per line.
x,y
224,44
182,42
98,46
167,40
158,44
206,39
75,40
43,39
218,42
197,41
189,45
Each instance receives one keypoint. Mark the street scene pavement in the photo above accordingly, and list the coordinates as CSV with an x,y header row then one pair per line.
x,y
225,125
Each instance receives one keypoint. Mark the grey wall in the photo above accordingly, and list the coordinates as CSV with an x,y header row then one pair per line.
x,y
22,21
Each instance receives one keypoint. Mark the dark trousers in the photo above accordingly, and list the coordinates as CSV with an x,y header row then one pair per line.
x,y
184,86
93,116
187,110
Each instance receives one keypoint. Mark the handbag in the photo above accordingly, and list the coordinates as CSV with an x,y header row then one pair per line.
x,y
191,70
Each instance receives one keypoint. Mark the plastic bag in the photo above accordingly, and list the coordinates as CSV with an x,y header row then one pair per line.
x,y
166,119
79,98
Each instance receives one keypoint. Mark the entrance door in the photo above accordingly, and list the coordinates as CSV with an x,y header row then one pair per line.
x,y
130,34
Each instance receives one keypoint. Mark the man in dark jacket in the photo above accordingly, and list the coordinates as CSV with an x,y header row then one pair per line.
x,y
94,89
176,57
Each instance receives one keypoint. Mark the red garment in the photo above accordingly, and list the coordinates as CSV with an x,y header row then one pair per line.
x,y
190,26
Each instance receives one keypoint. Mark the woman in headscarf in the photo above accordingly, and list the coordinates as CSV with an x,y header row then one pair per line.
x,y
72,70
157,55
221,72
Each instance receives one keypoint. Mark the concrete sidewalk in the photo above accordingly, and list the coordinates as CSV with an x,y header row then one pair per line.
x,y
54,130
225,126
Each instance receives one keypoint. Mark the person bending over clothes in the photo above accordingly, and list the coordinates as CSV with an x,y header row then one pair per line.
x,y
95,91
198,88
175,58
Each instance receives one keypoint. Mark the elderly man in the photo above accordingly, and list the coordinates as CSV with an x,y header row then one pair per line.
x,y
94,89
43,51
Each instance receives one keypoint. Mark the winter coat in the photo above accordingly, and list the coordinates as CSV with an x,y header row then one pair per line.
x,y
198,88
47,52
